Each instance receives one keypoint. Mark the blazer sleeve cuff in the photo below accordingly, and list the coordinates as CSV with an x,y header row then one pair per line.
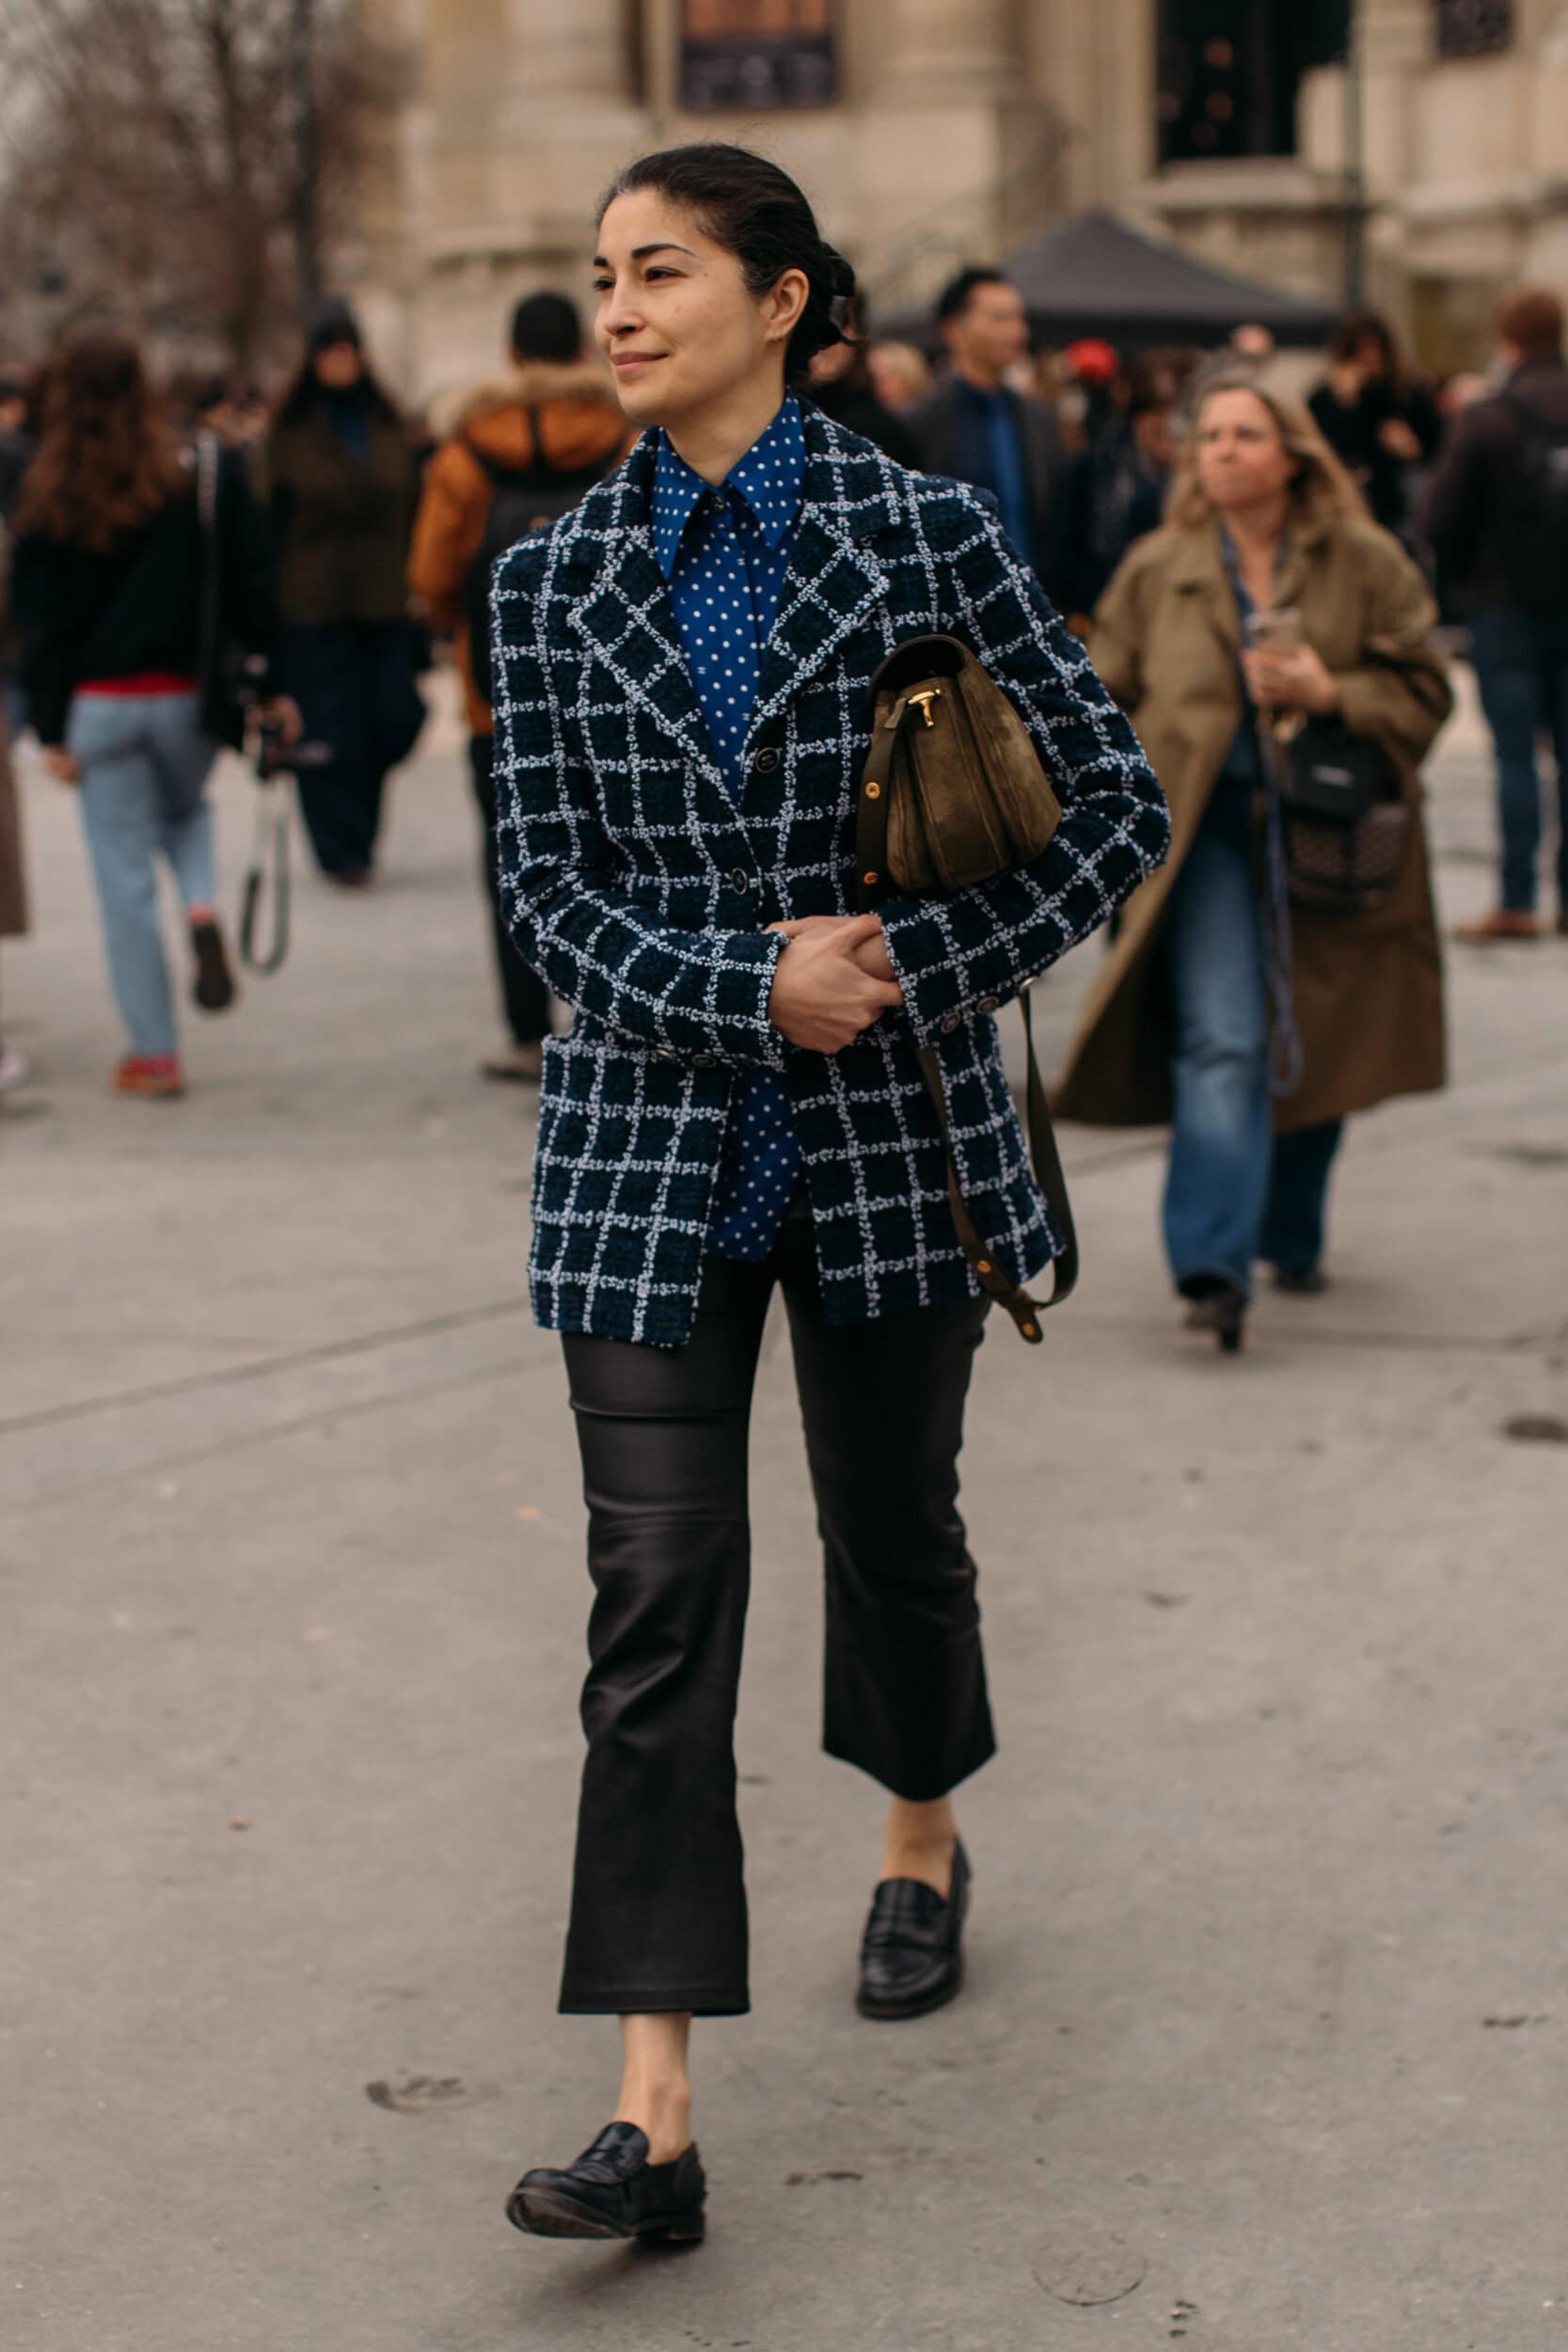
x,y
942,990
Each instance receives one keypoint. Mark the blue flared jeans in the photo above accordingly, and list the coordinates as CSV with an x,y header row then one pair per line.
x,y
1234,1191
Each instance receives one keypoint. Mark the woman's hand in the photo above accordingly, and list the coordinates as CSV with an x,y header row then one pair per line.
x,y
1290,681
1396,437
60,764
823,995
872,956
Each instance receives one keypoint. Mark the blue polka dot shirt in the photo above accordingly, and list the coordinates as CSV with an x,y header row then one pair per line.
x,y
725,553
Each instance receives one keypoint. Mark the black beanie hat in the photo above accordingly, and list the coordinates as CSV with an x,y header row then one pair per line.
x,y
332,321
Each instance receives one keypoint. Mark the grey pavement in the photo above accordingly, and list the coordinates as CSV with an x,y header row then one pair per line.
x,y
1264,2044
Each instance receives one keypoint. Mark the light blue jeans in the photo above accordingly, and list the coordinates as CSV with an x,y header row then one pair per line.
x,y
144,765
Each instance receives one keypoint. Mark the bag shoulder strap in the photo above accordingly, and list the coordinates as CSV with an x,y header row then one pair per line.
x,y
871,883
504,477
207,514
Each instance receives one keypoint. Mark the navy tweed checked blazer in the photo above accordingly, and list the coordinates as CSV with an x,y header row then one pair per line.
x,y
639,890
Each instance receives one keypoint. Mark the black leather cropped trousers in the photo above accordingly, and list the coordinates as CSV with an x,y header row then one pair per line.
x,y
659,1903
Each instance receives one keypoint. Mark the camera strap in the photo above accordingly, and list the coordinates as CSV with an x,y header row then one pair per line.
x,y
267,875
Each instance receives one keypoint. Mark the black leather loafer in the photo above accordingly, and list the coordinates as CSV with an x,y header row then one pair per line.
x,y
911,1955
614,2191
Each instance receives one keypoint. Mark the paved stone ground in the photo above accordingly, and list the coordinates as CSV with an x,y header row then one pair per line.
x,y
1264,2040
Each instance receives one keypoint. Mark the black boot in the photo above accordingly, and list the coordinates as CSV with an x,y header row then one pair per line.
x,y
614,2191
1221,1309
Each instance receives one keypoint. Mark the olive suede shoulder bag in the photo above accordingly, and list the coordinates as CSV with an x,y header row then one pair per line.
x,y
952,793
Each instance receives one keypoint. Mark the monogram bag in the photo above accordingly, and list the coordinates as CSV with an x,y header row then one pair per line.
x,y
952,793
1347,827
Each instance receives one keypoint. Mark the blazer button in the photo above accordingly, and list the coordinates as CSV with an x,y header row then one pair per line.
x,y
739,879
988,1004
765,762
954,1021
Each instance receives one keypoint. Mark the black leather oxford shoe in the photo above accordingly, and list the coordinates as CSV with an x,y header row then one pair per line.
x,y
911,1955
614,2191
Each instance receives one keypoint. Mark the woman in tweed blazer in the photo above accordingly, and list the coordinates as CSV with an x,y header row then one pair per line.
x,y
682,669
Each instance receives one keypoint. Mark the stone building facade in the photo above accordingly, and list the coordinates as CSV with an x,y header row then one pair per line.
x,y
938,131
955,128
1462,107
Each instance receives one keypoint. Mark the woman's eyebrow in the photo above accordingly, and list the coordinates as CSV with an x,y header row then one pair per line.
x,y
665,244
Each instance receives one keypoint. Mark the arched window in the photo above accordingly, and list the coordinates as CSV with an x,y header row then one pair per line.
x,y
1473,29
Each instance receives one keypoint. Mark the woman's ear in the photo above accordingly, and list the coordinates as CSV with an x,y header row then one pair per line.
x,y
788,298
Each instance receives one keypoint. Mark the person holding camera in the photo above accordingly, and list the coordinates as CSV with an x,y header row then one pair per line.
x,y
110,569
1269,596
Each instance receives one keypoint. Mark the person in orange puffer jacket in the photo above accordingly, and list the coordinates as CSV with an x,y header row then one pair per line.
x,y
553,421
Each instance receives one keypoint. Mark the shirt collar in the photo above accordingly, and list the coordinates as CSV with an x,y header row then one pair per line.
x,y
771,478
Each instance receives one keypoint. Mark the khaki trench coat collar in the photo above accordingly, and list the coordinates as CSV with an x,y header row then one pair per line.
x,y
1197,569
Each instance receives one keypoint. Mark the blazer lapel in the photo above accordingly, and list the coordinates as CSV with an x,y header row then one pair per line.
x,y
626,616
834,581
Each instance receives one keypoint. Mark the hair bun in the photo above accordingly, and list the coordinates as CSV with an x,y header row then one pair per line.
x,y
841,277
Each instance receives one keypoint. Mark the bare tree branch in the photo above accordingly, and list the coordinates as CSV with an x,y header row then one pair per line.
x,y
149,158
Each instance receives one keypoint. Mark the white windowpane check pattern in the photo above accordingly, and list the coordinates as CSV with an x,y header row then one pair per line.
x,y
640,889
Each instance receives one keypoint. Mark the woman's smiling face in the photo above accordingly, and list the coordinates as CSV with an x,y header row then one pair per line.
x,y
675,320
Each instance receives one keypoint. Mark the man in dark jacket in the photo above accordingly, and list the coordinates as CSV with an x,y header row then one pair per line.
x,y
974,428
1497,519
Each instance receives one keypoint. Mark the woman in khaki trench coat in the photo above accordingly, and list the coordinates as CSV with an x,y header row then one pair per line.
x,y
1178,1025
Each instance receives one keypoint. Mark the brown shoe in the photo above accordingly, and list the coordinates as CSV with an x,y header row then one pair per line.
x,y
1502,922
213,984
523,1064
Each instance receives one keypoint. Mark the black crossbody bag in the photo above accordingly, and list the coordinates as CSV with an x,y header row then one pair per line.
x,y
1347,826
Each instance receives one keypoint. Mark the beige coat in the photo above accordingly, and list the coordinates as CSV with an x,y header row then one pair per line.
x,y
13,878
1368,988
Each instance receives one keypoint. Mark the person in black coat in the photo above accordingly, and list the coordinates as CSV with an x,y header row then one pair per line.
x,y
1382,425
342,482
1114,492
842,387
974,428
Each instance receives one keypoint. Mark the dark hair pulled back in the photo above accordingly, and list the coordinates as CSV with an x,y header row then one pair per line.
x,y
755,210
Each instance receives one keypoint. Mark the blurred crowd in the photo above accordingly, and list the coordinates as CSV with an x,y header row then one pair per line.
x,y
204,564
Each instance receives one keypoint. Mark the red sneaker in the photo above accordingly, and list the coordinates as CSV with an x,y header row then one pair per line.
x,y
157,1075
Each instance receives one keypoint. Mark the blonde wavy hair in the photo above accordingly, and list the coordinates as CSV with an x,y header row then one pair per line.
x,y
1321,492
